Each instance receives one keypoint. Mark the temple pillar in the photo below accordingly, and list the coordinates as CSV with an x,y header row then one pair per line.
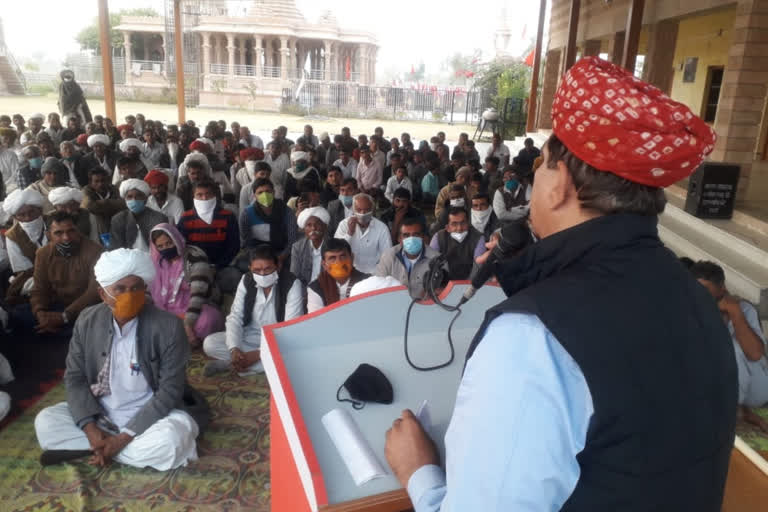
x,y
147,40
242,49
231,52
128,57
258,54
284,53
361,63
327,64
206,56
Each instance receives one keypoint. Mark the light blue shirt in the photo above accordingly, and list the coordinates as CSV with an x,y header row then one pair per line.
x,y
521,416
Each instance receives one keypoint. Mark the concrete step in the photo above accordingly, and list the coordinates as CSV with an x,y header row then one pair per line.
x,y
743,255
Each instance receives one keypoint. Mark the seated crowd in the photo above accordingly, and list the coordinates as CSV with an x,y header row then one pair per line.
x,y
196,240
239,234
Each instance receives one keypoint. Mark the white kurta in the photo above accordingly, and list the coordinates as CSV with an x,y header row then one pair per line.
x,y
349,170
315,302
173,207
367,244
129,389
9,167
248,338
18,261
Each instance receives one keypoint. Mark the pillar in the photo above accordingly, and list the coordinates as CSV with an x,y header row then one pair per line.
x,y
284,53
206,55
616,47
327,64
573,29
258,54
231,52
361,63
743,98
632,37
162,43
128,57
659,59
549,87
592,48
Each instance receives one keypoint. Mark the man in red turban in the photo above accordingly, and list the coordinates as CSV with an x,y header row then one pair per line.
x,y
607,380
159,199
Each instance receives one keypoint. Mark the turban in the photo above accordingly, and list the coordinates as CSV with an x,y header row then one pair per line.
x,y
98,138
324,136
199,146
373,284
247,153
299,155
37,116
317,211
19,198
133,184
63,195
125,126
156,177
126,143
120,263
622,125
81,140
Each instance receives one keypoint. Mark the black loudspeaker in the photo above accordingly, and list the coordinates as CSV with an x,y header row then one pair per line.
x,y
712,190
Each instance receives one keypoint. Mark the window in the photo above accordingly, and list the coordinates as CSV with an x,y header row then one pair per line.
x,y
712,93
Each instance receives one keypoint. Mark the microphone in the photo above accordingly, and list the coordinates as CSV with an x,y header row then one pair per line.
x,y
513,237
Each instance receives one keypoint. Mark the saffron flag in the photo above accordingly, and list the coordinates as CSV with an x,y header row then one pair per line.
x,y
529,59
347,70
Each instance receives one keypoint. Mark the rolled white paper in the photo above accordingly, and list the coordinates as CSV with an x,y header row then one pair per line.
x,y
353,447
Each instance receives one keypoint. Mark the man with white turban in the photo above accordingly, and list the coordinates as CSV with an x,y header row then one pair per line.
x,y
35,124
306,253
63,275
302,168
100,156
132,148
23,240
69,199
126,401
131,228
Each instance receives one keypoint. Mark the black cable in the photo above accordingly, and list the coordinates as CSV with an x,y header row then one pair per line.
x,y
431,292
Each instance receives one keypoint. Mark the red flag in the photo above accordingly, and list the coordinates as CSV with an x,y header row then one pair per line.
x,y
529,59
347,69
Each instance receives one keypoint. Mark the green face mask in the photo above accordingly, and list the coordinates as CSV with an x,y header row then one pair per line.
x,y
265,199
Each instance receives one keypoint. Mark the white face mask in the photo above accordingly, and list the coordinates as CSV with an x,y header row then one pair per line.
x,y
265,281
480,218
33,229
458,202
459,237
205,208
250,166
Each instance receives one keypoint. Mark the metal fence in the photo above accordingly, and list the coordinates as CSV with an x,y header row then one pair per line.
x,y
337,98
87,68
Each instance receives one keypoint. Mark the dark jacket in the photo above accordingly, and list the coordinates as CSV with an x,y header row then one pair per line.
x,y
126,226
655,354
89,161
162,351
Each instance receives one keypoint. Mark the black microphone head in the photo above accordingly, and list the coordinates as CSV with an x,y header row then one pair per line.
x,y
514,236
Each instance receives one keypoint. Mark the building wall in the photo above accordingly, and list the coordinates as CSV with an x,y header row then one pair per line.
x,y
599,20
707,37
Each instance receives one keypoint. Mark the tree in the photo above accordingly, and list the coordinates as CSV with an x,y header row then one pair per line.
x,y
504,78
462,68
88,38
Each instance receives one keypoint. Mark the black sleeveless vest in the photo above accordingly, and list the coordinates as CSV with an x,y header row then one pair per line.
x,y
655,354
460,256
284,283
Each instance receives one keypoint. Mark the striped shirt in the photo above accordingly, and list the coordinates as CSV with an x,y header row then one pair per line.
x,y
220,239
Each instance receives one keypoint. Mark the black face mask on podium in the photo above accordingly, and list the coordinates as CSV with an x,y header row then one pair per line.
x,y
366,384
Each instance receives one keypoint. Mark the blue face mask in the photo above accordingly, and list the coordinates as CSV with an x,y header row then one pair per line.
x,y
346,200
511,184
413,245
135,205
35,163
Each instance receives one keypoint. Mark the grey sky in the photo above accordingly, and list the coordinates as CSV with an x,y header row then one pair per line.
x,y
408,31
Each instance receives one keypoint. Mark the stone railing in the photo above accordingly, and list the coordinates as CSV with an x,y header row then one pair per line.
x,y
142,20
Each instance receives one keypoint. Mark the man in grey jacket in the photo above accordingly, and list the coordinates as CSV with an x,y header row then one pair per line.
x,y
125,377
409,260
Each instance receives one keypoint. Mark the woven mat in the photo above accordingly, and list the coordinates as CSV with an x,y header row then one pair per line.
x,y
232,472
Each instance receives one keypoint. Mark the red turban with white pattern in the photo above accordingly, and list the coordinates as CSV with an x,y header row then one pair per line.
x,y
622,125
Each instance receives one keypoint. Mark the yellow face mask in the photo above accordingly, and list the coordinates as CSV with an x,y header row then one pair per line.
x,y
128,305
340,270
